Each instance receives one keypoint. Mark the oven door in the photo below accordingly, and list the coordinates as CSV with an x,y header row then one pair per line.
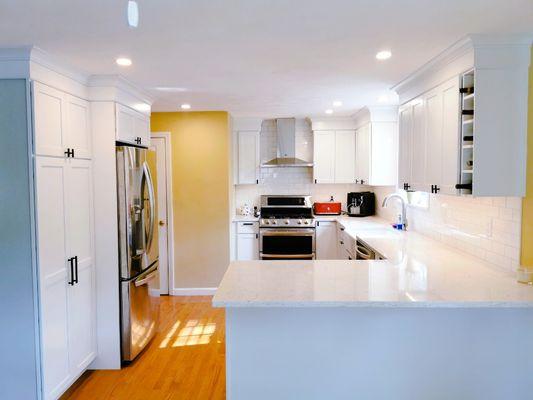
x,y
287,244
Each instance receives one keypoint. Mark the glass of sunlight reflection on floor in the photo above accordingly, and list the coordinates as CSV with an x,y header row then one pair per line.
x,y
195,333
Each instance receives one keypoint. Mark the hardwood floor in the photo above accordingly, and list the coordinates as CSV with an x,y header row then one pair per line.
x,y
185,360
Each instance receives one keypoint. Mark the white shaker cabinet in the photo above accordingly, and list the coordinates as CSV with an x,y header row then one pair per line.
x,y
248,157
131,126
324,156
61,123
376,146
326,240
66,270
362,155
345,157
247,240
429,141
334,156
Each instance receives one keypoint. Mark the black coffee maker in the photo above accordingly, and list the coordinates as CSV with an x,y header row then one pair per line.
x,y
361,204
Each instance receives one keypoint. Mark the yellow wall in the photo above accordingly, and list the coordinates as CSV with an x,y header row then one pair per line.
x,y
527,205
200,198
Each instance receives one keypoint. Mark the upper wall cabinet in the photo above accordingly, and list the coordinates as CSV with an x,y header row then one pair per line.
x,y
334,156
429,138
62,123
132,126
248,159
463,119
376,146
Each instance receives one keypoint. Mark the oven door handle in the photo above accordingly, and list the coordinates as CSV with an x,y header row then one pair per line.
x,y
287,232
286,256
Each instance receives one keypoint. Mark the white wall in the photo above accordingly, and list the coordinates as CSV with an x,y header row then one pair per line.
x,y
290,180
486,227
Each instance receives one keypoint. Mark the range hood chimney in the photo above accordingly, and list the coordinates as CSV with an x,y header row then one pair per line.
x,y
286,149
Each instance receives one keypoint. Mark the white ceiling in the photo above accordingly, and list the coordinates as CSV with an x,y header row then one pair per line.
x,y
268,58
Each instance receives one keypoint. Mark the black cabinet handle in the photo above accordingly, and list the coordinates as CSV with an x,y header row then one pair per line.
x,y
257,181
435,189
341,242
317,223
466,186
362,181
357,181
316,181
69,153
76,269
257,236
248,223
71,262
406,186
138,140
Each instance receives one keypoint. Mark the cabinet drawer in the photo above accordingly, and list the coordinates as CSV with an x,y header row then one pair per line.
x,y
247,227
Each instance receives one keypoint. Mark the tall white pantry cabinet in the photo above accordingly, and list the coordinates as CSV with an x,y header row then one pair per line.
x,y
65,235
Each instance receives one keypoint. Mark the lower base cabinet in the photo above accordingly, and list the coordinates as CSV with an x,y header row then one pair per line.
x,y
247,241
326,240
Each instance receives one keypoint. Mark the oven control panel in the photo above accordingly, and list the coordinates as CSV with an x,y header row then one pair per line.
x,y
287,223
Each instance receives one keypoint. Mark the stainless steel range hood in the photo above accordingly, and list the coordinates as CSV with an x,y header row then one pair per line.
x,y
286,149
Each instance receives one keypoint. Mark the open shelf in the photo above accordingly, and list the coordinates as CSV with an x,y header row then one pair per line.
x,y
467,93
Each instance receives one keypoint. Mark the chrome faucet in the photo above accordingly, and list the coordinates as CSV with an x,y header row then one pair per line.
x,y
403,215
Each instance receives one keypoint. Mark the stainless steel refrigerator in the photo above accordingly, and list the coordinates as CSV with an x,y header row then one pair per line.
x,y
138,248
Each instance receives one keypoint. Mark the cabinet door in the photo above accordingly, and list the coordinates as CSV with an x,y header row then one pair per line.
x,y
50,120
344,156
418,148
125,124
79,228
79,129
362,157
142,129
248,157
324,156
405,145
53,272
247,246
450,137
326,240
433,118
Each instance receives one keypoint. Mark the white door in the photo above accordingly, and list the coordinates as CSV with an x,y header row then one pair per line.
x,y
344,156
53,272
247,246
79,243
50,120
248,157
418,148
405,146
433,118
324,156
326,240
159,143
79,129
450,137
362,157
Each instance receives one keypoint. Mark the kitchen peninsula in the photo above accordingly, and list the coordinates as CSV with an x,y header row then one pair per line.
x,y
417,325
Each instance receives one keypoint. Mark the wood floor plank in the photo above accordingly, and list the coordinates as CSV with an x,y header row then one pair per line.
x,y
185,360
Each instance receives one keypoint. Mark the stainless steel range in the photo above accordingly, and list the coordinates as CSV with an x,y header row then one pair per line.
x,y
286,228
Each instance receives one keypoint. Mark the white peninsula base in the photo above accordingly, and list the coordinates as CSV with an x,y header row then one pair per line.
x,y
379,353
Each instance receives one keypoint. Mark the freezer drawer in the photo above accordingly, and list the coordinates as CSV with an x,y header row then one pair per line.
x,y
139,312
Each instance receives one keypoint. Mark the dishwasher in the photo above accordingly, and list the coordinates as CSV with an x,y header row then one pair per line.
x,y
365,252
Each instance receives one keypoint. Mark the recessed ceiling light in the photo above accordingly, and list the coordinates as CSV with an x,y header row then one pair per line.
x,y
123,61
329,111
142,107
133,14
384,55
337,103
185,106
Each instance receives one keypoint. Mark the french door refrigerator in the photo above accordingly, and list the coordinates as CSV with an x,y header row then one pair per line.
x,y
138,248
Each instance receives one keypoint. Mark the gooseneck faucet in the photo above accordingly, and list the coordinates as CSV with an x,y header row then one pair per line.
x,y
403,215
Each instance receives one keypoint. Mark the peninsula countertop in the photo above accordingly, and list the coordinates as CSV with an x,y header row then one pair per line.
x,y
418,272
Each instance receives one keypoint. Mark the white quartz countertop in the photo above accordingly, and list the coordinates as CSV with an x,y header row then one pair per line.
x,y
418,272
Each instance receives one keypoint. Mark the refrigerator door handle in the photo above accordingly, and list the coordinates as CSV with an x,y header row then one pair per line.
x,y
146,279
151,200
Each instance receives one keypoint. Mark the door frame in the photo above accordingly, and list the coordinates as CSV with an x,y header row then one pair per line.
x,y
170,214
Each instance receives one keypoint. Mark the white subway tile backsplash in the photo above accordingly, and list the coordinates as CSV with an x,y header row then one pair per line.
x,y
487,227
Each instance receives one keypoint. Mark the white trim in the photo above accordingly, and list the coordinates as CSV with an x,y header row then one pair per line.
x,y
170,210
193,291
154,292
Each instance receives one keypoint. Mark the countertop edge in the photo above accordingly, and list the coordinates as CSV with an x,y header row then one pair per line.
x,y
373,304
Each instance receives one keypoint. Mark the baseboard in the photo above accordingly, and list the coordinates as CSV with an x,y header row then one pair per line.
x,y
154,292
193,291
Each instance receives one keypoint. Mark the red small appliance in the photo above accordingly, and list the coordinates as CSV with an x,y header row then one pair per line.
x,y
329,208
